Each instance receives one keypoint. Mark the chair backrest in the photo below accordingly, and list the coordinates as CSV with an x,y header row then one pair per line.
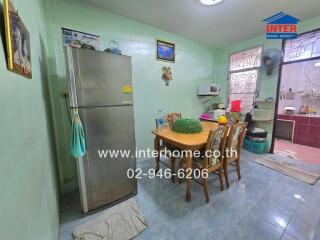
x,y
172,117
235,139
234,116
242,136
215,146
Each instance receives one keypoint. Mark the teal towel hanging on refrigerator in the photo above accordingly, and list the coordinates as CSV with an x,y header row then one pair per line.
x,y
78,142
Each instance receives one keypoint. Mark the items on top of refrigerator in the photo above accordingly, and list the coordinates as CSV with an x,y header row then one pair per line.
x,y
113,47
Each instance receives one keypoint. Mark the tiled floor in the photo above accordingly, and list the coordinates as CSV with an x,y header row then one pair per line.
x,y
263,205
305,153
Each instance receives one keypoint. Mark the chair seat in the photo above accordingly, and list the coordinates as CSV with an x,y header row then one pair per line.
x,y
198,162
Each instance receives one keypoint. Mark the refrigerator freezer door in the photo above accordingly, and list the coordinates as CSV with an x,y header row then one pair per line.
x,y
104,180
100,77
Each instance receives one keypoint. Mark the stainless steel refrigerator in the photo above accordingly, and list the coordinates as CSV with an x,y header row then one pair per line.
x,y
96,80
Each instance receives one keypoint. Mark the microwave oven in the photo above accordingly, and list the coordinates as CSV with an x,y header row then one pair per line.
x,y
209,90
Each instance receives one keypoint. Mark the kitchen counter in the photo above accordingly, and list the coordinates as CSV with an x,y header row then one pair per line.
x,y
301,115
306,128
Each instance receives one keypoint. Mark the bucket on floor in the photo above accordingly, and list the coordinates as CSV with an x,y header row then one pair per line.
x,y
255,147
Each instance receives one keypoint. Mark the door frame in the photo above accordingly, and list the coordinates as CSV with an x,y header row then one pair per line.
x,y
282,63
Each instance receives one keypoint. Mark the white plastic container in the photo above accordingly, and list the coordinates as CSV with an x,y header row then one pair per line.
x,y
217,113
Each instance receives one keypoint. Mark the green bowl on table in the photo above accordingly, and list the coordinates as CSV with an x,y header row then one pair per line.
x,y
187,126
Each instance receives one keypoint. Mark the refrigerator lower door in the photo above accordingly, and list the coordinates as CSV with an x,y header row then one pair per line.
x,y
104,180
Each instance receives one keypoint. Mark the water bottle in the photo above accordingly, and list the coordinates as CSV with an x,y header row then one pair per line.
x,y
160,121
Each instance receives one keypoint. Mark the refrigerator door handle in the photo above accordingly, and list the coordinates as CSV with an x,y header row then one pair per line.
x,y
82,184
72,79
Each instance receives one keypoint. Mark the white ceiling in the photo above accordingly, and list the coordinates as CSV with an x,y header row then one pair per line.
x,y
220,25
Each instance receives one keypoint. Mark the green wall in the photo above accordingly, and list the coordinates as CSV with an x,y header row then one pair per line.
x,y
268,84
28,183
195,64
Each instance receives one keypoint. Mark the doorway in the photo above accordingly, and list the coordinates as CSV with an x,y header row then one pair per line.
x,y
296,130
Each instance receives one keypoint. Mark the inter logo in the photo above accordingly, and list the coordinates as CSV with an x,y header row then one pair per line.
x,y
281,26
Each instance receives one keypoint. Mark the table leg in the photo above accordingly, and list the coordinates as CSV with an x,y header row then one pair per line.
x,y
173,168
188,176
157,148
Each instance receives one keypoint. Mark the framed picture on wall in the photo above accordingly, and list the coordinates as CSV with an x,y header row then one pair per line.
x,y
165,51
18,42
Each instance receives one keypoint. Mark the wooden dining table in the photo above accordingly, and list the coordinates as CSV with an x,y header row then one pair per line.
x,y
190,142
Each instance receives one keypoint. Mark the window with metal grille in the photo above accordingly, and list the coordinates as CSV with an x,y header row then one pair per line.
x,y
306,46
243,77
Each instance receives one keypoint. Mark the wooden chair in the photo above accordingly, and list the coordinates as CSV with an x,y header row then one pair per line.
x,y
171,118
233,149
212,164
235,117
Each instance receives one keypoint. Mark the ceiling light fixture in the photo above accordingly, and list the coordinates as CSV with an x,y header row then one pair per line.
x,y
210,2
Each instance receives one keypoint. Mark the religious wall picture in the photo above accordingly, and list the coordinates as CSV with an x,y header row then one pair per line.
x,y
17,41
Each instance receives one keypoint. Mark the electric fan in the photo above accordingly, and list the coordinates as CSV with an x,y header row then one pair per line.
x,y
268,60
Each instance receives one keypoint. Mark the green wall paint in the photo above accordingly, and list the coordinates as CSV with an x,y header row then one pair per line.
x,y
28,186
195,65
268,84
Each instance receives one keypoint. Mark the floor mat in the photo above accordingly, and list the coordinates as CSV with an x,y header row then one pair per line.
x,y
121,222
306,172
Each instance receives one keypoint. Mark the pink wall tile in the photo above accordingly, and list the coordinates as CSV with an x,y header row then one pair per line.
x,y
314,121
302,120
